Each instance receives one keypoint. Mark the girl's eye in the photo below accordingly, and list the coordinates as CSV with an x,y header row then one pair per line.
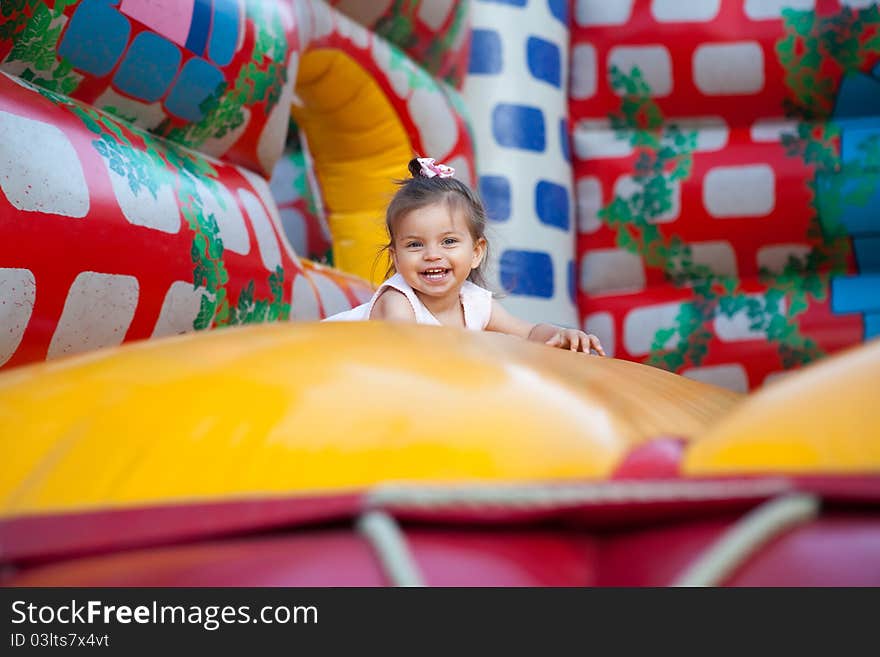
x,y
413,245
450,240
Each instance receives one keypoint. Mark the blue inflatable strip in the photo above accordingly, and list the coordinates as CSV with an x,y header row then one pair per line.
x,y
529,273
858,95
198,29
513,3
224,32
867,254
855,294
872,325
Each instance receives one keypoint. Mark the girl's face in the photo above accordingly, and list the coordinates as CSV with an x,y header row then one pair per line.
x,y
433,250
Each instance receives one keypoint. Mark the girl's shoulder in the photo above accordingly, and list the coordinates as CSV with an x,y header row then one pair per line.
x,y
391,303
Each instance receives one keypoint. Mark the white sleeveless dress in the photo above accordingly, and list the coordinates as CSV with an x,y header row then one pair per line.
x,y
476,301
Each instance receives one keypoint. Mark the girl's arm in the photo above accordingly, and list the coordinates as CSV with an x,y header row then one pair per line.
x,y
502,321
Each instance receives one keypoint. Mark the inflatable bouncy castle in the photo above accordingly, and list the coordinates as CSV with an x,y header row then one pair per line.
x,y
184,191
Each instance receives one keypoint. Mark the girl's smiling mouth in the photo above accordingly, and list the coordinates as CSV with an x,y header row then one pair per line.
x,y
434,274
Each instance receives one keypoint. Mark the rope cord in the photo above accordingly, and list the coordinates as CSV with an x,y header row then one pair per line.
x,y
747,536
389,543
519,496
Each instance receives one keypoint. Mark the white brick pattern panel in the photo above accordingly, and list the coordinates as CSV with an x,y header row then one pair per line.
x,y
584,71
332,297
589,202
18,291
732,376
685,11
270,243
230,222
601,325
158,212
740,191
594,139
97,313
304,304
625,187
39,168
729,69
654,62
641,324
271,142
758,10
737,327
717,255
771,129
266,241
179,309
435,13
611,271
590,13
774,257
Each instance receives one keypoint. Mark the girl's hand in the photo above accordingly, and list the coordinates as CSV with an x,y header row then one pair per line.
x,y
575,341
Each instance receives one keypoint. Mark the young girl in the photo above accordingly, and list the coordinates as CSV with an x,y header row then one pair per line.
x,y
436,226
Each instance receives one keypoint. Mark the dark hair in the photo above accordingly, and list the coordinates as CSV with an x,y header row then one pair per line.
x,y
419,192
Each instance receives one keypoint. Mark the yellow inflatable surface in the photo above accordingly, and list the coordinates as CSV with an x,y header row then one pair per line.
x,y
823,419
303,408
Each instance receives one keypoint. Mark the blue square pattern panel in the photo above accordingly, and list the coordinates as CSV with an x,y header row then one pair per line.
x,y
855,294
95,38
519,126
199,26
857,211
198,80
859,95
867,254
495,192
551,204
858,140
149,67
544,60
529,273
486,57
224,32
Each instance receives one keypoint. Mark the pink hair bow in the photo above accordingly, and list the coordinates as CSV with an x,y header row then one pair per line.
x,y
431,168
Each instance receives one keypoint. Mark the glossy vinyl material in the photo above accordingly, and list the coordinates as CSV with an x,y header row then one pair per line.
x,y
420,404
